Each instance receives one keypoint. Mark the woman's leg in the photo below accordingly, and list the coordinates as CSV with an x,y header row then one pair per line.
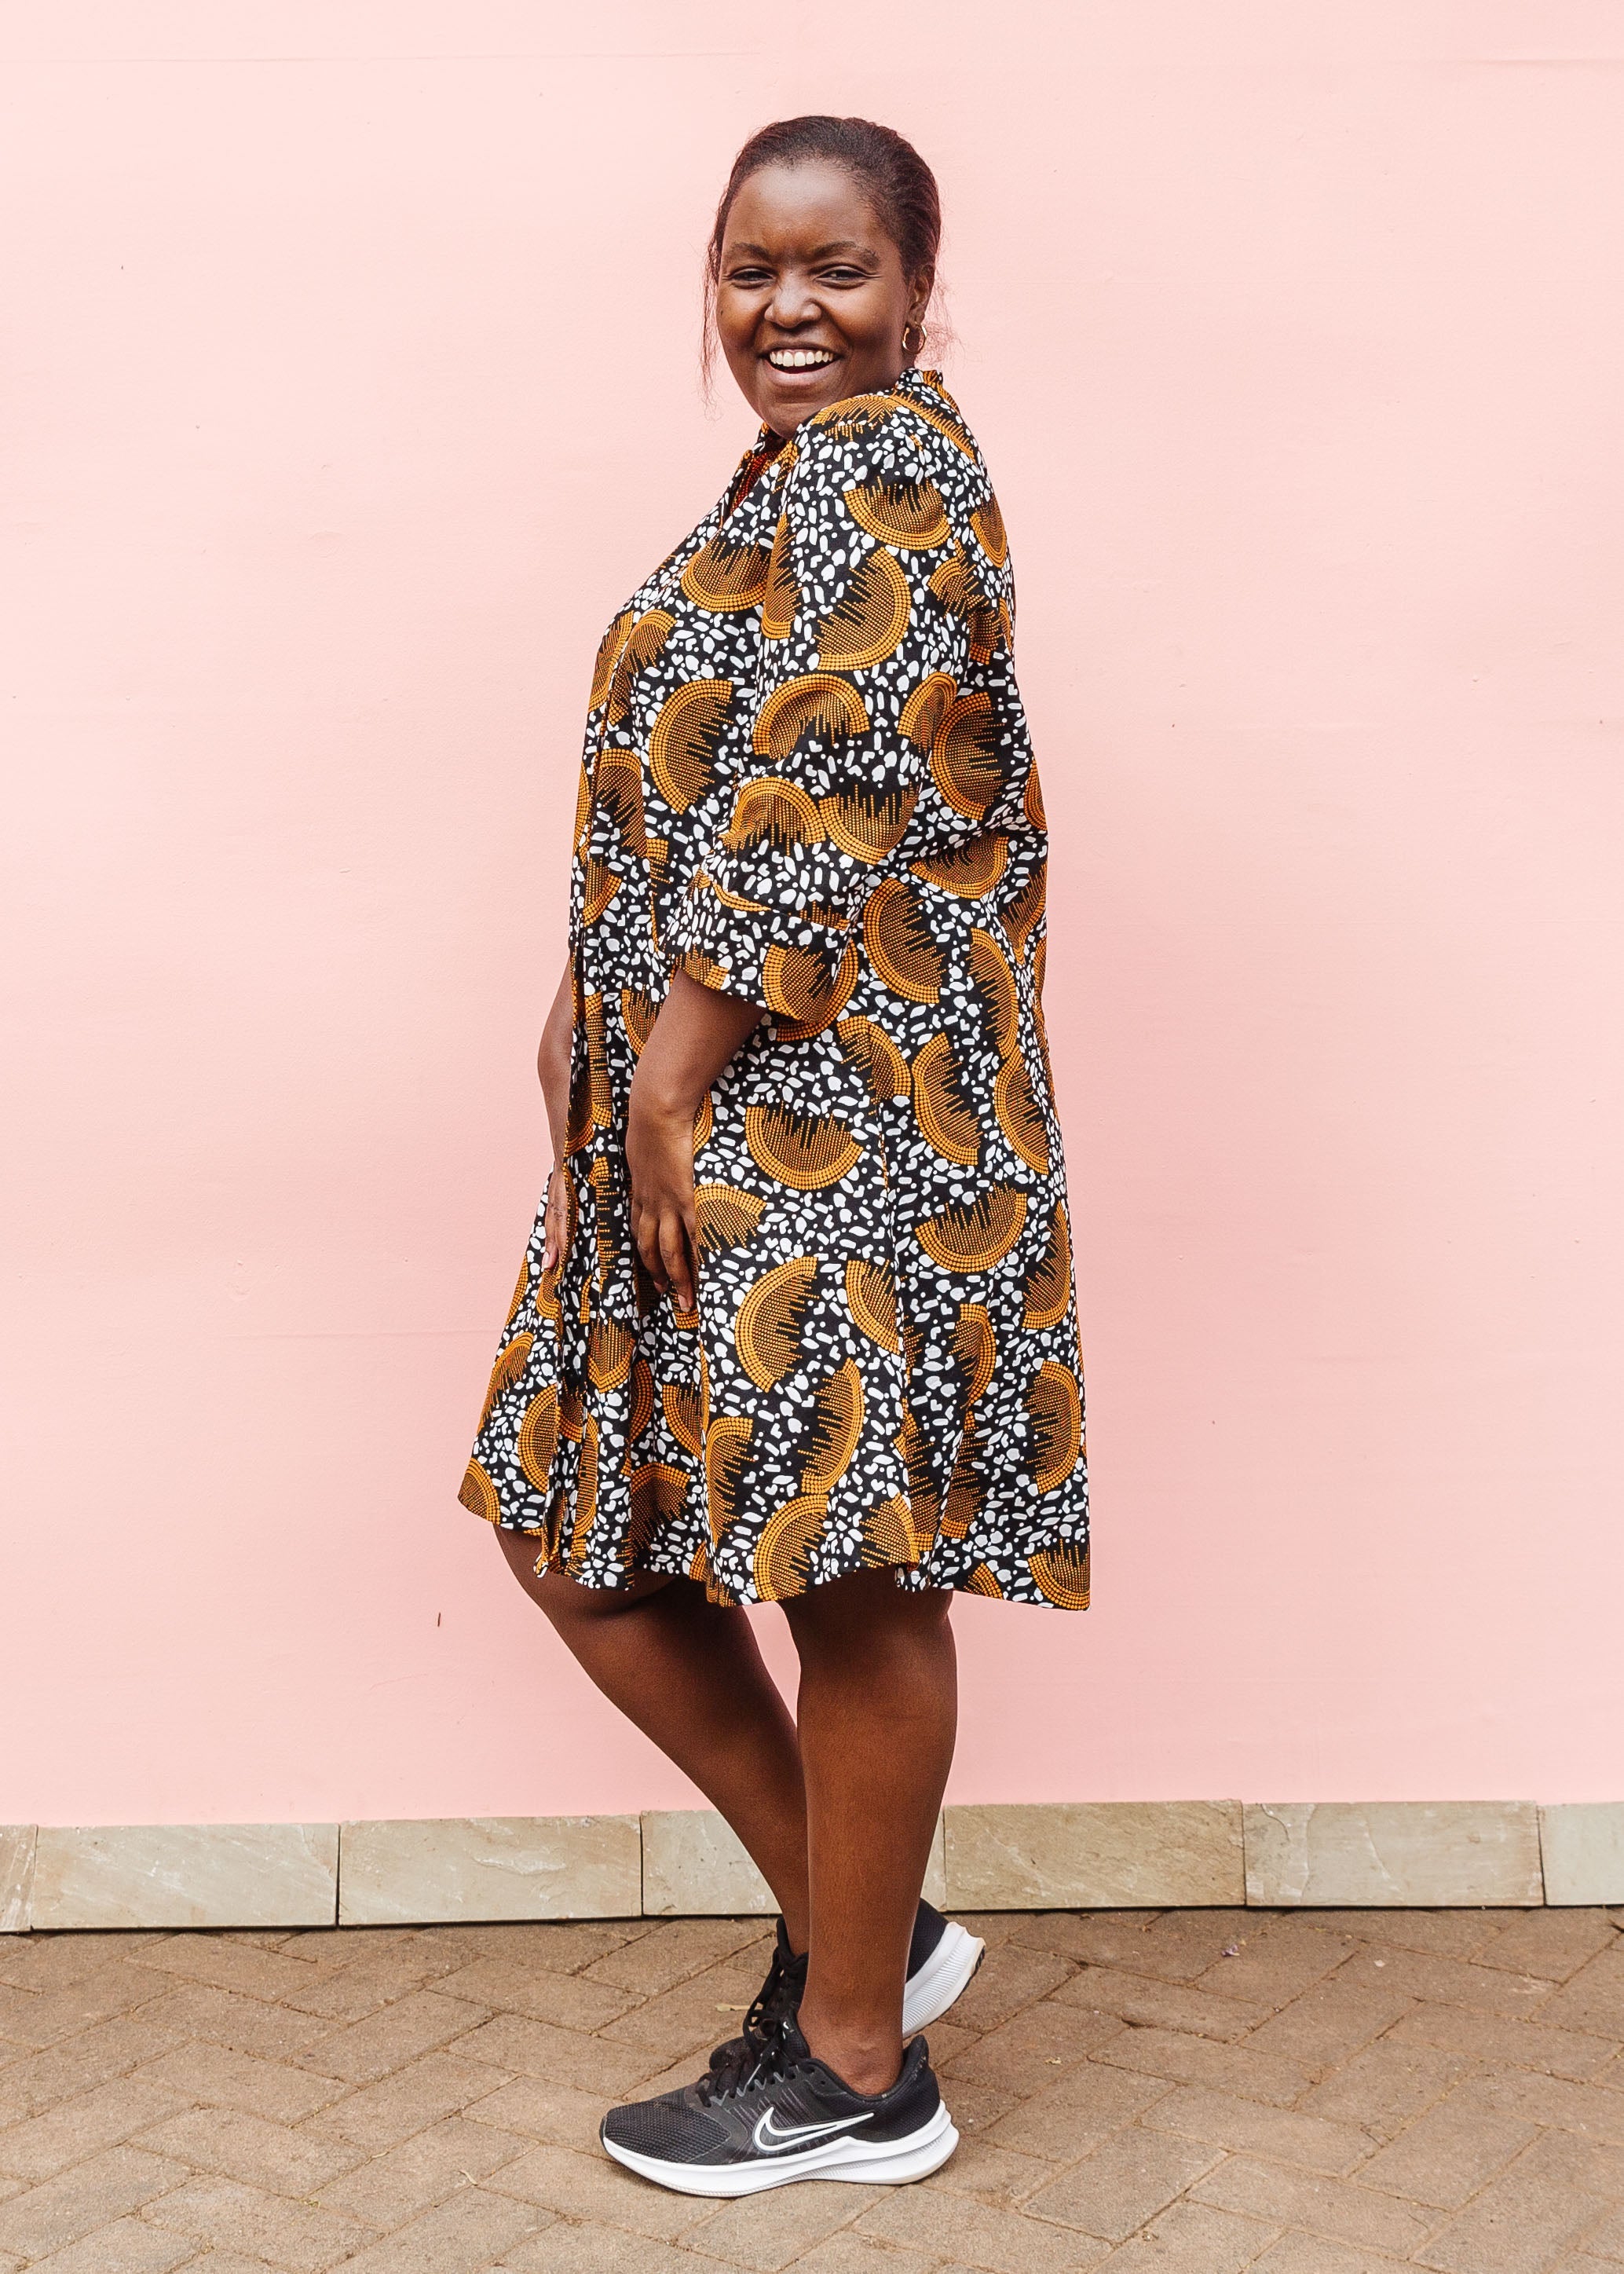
x,y
688,1672
878,1706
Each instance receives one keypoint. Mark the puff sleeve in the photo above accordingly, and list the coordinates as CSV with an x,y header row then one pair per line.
x,y
873,620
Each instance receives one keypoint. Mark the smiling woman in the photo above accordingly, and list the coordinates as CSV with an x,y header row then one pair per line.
x,y
797,1321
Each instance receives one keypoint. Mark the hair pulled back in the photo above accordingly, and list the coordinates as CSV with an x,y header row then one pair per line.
x,y
899,184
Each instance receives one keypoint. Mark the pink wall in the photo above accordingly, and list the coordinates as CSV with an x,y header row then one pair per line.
x,y
349,381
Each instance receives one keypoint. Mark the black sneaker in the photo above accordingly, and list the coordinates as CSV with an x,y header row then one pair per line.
x,y
775,2114
942,1958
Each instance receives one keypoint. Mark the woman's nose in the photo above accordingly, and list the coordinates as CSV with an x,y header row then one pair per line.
x,y
792,304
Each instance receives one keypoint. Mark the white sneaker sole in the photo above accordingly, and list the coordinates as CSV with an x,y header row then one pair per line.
x,y
881,2163
943,1979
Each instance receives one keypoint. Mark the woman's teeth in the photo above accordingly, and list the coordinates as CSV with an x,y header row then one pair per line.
x,y
800,358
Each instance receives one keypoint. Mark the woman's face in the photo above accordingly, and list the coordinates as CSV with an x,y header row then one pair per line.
x,y
811,301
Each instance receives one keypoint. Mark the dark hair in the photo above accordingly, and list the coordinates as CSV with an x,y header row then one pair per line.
x,y
902,185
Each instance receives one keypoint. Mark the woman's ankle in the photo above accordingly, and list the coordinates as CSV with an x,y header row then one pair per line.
x,y
868,2062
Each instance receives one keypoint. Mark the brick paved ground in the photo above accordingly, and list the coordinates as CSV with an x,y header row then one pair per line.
x,y
1188,2091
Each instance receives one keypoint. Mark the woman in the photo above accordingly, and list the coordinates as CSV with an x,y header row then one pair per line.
x,y
796,1323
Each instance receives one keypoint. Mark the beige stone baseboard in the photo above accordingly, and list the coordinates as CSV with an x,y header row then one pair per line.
x,y
1048,1856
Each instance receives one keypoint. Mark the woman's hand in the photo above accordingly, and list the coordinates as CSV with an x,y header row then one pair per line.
x,y
553,1072
696,1033
659,1156
555,1235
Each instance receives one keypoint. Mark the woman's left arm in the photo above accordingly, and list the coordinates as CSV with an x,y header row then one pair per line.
x,y
696,1034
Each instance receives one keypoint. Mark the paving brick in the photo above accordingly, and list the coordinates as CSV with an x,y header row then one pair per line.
x,y
1069,1934
76,2202
76,2129
248,2147
55,1961
1223,2121
560,1944
1512,2227
1160,2005
128,2246
1446,1982
1124,2181
1591,2000
976,2108
1552,1943
397,2107
37,2018
336,1947
1516,2045
31,2081
1606,2241
224,2079
1175,1945
969,2233
571,1999
1345,2210
1008,1981
1192,2239
225,1964
1585,2108
594,2186
1329,2022
346,1994
305,2238
847,2254
466,2233
422,2171
564,2249
1387,2084
675,1949
1199,2060
538,2049
1588,2165
224,2261
769,2232
1300,2254
979,2167
1273,1967
1447,1933
541,2110
1447,2154
690,2018
245,2025
1027,2052
419,2024
1074,2114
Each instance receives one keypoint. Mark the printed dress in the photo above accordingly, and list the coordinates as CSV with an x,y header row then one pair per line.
x,y
807,781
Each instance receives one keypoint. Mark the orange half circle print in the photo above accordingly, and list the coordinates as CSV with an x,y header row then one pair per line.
x,y
909,515
817,704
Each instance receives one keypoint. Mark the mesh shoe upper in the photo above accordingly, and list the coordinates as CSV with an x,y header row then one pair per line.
x,y
773,2099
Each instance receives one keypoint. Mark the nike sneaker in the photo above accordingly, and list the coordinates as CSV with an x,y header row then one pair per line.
x,y
942,1958
771,2113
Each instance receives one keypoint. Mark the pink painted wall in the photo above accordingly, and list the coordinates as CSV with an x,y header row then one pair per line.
x,y
348,383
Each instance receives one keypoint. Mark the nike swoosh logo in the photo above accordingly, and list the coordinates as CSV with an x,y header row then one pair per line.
x,y
771,2141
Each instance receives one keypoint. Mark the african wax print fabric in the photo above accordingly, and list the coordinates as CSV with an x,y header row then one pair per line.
x,y
808,781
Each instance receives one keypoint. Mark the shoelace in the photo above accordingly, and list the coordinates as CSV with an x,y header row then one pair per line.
x,y
759,2055
778,1997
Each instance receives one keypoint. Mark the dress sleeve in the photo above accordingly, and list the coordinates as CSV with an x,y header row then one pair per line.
x,y
866,640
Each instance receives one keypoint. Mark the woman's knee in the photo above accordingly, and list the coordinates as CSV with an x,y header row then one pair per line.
x,y
568,1602
866,1608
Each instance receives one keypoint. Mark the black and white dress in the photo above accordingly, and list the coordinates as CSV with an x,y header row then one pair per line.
x,y
808,781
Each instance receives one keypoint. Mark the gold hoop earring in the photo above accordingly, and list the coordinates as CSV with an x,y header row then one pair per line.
x,y
918,343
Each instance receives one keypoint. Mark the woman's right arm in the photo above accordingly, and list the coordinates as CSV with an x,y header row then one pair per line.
x,y
553,1071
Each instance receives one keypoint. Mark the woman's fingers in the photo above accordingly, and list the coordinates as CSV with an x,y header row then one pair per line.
x,y
646,1231
675,1254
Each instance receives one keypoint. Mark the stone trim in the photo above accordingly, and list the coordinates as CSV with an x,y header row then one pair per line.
x,y
1026,1855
